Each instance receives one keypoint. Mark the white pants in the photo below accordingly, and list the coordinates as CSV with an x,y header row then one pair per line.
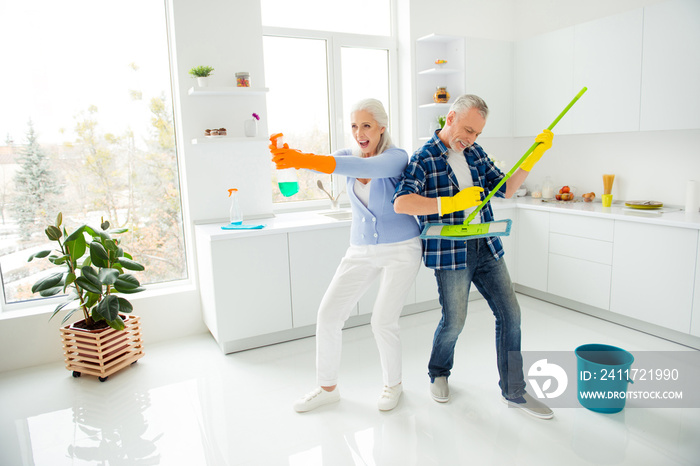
x,y
396,266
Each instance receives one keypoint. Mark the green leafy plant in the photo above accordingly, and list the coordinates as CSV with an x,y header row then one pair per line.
x,y
201,71
441,120
94,272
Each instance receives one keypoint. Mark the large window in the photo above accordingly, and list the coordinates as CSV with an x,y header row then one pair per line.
x,y
86,126
315,76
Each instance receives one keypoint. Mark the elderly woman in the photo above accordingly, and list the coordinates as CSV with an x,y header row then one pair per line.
x,y
384,245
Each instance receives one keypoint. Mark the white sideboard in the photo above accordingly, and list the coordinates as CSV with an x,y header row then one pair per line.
x,y
264,286
639,269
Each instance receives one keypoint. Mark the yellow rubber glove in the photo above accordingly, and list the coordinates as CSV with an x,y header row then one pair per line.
x,y
464,199
291,158
545,142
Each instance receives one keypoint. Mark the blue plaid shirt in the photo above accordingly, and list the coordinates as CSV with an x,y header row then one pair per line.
x,y
428,174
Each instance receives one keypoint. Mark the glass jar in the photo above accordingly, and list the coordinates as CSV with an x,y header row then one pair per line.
x,y
441,96
243,79
547,188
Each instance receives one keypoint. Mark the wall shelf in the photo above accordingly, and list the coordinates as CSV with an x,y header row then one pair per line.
x,y
429,76
239,91
226,139
436,71
447,105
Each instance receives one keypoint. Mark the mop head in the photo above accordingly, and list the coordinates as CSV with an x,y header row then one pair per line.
x,y
465,232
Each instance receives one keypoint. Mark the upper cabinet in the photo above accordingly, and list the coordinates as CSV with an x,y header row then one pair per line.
x,y
641,68
608,60
671,66
489,74
543,81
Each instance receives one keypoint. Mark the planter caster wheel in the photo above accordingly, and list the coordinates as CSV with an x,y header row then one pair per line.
x,y
102,379
76,374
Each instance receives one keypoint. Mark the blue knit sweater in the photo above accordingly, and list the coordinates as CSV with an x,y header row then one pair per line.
x,y
377,223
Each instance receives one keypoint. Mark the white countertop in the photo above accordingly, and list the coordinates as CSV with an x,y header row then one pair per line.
x,y
314,220
668,216
280,223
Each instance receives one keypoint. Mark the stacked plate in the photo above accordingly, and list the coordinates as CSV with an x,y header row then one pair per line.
x,y
645,205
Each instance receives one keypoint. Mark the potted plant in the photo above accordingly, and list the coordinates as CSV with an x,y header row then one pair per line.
x,y
201,73
94,271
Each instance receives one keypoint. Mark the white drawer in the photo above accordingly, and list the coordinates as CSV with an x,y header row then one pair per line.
x,y
583,281
584,227
581,248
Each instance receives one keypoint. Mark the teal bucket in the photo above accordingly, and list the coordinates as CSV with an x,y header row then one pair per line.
x,y
603,375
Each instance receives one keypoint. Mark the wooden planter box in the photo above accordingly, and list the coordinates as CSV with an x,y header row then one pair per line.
x,y
102,352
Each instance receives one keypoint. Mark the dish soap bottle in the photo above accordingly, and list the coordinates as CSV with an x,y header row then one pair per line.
x,y
287,178
235,215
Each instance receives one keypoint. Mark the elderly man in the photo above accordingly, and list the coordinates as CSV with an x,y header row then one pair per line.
x,y
449,174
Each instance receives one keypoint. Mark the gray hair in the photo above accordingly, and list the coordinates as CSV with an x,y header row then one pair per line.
x,y
469,101
376,109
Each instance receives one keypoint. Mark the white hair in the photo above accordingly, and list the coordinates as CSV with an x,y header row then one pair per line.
x,y
469,101
376,109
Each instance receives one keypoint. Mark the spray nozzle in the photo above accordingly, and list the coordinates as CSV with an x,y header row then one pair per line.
x,y
231,191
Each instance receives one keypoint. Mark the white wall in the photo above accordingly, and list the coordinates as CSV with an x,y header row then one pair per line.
x,y
228,36
648,165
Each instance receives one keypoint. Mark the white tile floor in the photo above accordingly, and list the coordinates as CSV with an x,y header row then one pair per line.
x,y
186,403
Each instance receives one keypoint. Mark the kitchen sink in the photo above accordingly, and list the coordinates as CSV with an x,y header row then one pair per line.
x,y
343,215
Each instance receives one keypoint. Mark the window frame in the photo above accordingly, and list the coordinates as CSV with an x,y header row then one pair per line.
x,y
39,305
335,41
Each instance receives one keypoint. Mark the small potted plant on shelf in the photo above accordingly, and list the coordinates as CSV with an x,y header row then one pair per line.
x,y
202,74
94,271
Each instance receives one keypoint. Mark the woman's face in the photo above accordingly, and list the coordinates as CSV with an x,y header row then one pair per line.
x,y
366,132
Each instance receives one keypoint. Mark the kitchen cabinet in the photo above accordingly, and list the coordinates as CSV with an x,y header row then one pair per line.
x,y
426,286
580,252
653,273
314,256
533,249
641,68
244,286
260,287
489,74
430,76
509,242
543,81
608,60
670,93
695,319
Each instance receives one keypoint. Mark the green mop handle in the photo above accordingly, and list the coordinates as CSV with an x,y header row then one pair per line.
x,y
522,159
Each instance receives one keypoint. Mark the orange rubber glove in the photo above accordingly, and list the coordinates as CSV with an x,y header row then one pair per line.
x,y
466,198
545,142
291,158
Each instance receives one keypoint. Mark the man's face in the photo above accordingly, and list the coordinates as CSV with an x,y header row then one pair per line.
x,y
462,129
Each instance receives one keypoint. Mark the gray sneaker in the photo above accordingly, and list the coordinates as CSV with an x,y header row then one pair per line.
x,y
439,390
531,406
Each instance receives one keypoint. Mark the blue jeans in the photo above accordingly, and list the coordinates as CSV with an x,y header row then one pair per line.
x,y
491,278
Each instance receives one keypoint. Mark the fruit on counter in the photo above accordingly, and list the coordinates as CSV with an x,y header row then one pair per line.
x,y
565,189
588,197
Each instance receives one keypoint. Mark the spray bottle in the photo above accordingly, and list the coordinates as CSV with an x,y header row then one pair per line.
x,y
287,178
235,215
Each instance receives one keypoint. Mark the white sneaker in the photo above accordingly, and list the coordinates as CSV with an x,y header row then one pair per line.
x,y
390,397
314,399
